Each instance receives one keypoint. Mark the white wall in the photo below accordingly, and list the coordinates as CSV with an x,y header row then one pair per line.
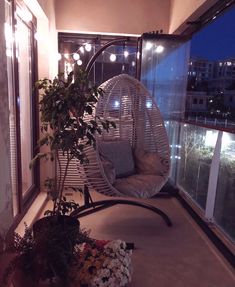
x,y
185,10
112,16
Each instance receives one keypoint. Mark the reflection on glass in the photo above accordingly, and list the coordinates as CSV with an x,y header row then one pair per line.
x,y
172,128
197,148
164,74
24,101
224,212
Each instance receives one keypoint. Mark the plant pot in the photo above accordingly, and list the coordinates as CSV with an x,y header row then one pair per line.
x,y
55,238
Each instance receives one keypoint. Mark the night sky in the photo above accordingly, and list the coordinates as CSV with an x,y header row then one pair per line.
x,y
216,41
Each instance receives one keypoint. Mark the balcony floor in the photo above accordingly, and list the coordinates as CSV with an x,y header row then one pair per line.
x,y
177,256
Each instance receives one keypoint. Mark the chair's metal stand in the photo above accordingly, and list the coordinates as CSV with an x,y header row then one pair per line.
x,y
91,206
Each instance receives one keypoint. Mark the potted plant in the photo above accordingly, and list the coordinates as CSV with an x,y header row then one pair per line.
x,y
50,250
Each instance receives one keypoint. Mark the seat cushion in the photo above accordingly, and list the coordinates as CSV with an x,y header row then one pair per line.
x,y
139,185
150,163
119,153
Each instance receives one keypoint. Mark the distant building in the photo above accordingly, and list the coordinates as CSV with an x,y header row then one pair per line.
x,y
229,98
196,101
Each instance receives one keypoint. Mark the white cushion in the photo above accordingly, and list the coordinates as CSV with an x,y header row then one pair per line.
x,y
119,153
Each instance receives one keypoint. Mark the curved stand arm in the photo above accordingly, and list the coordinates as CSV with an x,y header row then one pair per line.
x,y
92,207
96,55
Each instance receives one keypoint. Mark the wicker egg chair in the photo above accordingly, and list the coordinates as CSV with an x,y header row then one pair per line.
x,y
139,123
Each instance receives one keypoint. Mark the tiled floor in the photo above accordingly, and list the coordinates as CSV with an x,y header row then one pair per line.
x,y
179,256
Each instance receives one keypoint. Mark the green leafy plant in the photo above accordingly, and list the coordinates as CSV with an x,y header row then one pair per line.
x,y
40,258
63,105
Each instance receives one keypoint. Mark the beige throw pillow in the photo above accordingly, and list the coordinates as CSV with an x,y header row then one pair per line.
x,y
150,163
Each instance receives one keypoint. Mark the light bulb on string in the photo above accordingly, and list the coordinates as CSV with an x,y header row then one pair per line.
x,y
113,57
81,49
76,56
159,49
66,56
88,47
149,45
126,54
79,62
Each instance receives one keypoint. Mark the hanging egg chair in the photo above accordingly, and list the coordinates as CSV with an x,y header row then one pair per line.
x,y
132,160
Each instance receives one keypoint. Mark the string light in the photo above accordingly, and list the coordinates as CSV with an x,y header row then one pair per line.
x,y
126,54
113,57
76,56
88,47
79,62
149,45
159,49
81,49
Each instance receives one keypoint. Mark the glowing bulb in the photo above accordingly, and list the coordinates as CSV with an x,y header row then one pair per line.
x,y
149,45
126,54
76,56
138,55
79,62
66,56
59,57
82,49
88,47
159,49
133,63
148,104
113,57
116,104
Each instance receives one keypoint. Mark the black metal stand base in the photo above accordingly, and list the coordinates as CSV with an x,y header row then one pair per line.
x,y
90,207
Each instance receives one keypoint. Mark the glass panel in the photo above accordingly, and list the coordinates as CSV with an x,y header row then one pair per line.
x,y
196,150
224,212
23,36
164,73
173,129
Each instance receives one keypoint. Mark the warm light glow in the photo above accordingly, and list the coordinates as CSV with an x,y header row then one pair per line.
x,y
76,56
66,56
59,57
126,54
113,57
88,47
79,62
81,49
116,104
149,45
148,104
159,49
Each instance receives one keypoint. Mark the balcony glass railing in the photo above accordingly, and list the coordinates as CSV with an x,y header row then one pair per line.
x,y
203,167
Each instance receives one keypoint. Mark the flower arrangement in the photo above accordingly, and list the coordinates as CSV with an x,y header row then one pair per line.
x,y
107,263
